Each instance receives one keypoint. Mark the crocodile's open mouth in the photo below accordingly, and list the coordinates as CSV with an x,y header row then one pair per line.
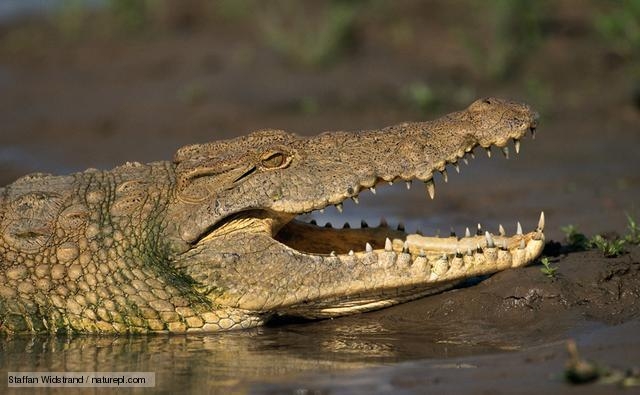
x,y
311,238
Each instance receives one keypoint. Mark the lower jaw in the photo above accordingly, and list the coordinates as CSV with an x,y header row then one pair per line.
x,y
310,238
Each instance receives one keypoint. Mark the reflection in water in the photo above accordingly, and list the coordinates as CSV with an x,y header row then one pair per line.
x,y
232,361
224,361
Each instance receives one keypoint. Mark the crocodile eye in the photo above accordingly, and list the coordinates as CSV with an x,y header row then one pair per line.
x,y
275,160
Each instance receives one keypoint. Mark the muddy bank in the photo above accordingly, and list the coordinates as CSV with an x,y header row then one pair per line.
x,y
507,333
511,310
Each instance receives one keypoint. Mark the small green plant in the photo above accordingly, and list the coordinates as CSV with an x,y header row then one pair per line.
x,y
610,248
633,235
548,270
577,241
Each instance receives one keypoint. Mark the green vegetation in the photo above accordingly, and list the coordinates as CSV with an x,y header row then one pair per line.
x,y
619,27
633,235
306,41
548,270
610,247
576,240
517,31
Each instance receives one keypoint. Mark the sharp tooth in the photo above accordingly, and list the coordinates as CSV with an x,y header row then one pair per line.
x,y
408,183
469,251
339,207
488,149
333,253
400,227
405,247
346,226
457,167
522,245
445,177
328,225
350,252
467,232
321,211
516,143
505,151
541,221
390,182
364,224
313,222
465,160
373,190
490,243
387,245
519,229
355,199
479,231
501,231
383,223
368,247
431,189
473,156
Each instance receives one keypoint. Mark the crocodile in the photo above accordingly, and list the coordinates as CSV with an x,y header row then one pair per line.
x,y
213,240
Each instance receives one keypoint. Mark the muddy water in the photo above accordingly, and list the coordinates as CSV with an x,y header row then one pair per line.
x,y
238,360
218,361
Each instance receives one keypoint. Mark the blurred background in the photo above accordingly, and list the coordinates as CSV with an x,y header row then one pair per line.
x,y
95,83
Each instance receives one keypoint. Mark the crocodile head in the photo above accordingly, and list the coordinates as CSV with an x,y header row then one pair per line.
x,y
233,216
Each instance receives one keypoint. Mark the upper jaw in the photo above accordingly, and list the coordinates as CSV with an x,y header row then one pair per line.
x,y
329,168
450,158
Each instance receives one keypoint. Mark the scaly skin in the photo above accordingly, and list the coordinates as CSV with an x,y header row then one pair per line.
x,y
209,242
